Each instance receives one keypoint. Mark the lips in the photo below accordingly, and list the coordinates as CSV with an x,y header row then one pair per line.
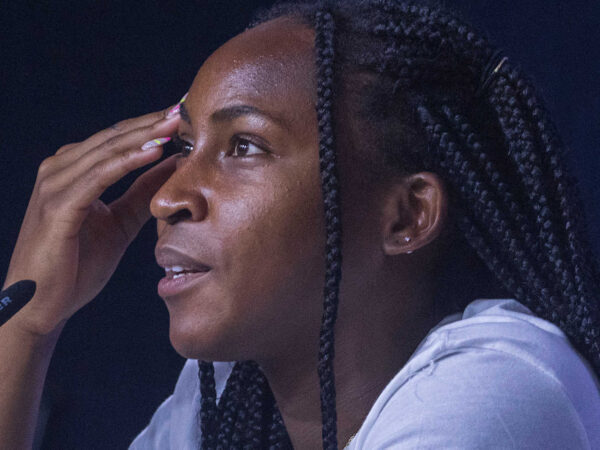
x,y
182,271
168,257
175,272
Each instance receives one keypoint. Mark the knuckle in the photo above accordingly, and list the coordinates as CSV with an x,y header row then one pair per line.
x,y
124,159
98,170
66,148
102,170
119,126
154,126
112,141
45,187
163,113
46,166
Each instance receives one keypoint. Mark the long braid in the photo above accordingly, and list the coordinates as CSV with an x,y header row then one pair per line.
x,y
472,190
244,416
520,148
258,404
566,188
496,149
324,45
578,314
578,288
505,202
278,436
547,263
228,407
208,403
566,192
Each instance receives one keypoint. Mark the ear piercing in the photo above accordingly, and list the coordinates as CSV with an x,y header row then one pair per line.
x,y
407,239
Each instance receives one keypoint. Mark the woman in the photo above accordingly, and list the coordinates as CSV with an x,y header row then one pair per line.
x,y
432,155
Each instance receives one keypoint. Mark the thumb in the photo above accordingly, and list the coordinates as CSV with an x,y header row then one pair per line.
x,y
132,209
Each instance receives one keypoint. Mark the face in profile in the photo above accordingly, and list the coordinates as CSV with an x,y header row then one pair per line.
x,y
245,201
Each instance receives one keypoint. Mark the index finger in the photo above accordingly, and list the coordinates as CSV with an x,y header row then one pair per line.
x,y
121,127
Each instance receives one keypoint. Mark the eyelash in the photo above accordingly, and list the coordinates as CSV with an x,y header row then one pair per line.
x,y
185,148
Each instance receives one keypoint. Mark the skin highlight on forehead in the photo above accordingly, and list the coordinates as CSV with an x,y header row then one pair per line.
x,y
266,66
233,112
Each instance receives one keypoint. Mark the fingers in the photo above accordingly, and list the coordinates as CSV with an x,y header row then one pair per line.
x,y
67,147
132,209
77,175
130,141
151,123
94,179
124,126
69,193
63,171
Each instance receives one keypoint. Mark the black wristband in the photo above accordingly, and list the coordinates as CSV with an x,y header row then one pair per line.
x,y
14,297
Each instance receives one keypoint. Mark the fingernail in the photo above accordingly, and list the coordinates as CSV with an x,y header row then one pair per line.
x,y
155,143
173,111
183,98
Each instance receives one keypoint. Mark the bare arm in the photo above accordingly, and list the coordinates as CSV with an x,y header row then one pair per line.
x,y
24,360
70,244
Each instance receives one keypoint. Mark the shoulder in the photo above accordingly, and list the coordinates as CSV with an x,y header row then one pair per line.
x,y
174,425
495,380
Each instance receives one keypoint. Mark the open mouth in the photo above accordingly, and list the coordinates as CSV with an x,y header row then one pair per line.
x,y
181,270
175,272
176,281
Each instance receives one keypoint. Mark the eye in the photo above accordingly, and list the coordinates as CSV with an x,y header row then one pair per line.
x,y
181,146
243,147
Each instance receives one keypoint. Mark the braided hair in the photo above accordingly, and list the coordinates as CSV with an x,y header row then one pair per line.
x,y
430,104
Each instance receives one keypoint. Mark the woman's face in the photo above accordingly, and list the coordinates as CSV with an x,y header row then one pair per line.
x,y
246,202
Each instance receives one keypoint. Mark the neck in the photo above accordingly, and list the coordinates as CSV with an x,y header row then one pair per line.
x,y
370,350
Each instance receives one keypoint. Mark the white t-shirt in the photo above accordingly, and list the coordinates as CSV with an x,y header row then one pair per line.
x,y
494,377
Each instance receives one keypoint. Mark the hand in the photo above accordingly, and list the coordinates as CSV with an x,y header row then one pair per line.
x,y
70,242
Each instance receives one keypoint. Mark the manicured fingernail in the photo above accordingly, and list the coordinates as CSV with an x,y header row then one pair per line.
x,y
173,111
155,143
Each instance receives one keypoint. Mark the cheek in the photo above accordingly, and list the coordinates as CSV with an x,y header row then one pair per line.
x,y
274,267
277,237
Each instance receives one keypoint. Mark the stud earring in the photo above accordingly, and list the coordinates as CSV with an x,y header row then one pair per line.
x,y
407,239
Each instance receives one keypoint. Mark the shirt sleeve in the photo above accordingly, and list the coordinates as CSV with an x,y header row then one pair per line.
x,y
476,399
175,425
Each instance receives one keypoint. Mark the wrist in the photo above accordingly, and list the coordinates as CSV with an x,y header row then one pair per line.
x,y
33,336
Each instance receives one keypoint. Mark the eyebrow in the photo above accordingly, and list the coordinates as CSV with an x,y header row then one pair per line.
x,y
185,115
230,113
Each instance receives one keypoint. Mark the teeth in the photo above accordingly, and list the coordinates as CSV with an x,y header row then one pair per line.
x,y
178,271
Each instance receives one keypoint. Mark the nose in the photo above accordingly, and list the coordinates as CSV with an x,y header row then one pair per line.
x,y
179,198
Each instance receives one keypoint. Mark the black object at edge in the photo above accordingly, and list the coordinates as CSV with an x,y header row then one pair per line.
x,y
14,297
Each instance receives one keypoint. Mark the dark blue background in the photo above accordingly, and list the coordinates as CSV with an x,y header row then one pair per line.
x,y
72,68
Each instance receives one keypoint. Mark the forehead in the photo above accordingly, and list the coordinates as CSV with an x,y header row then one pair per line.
x,y
271,66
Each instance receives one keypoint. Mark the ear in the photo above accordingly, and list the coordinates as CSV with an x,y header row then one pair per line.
x,y
414,212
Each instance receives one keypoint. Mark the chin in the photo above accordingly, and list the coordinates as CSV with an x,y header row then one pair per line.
x,y
195,341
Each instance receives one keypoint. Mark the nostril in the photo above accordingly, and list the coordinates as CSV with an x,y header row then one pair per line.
x,y
182,214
